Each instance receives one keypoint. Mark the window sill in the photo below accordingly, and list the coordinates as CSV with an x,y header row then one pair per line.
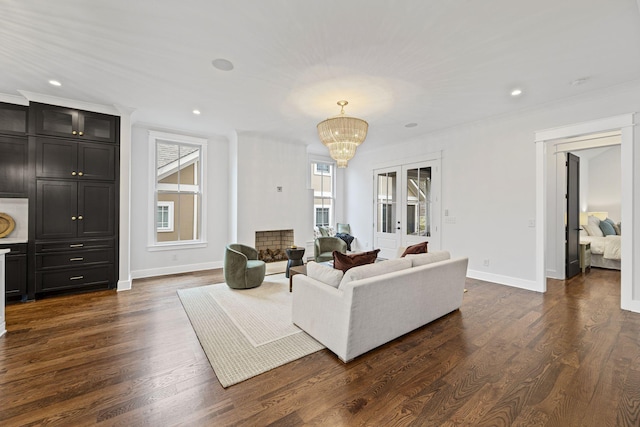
x,y
173,246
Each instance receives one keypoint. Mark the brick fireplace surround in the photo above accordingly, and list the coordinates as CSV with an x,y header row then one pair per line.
x,y
271,244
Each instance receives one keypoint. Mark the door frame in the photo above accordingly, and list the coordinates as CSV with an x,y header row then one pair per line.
x,y
624,123
401,238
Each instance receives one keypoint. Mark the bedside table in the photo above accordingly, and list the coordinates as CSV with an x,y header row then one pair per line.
x,y
585,256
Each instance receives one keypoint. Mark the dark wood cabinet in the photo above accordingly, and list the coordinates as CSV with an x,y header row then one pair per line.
x,y
59,158
66,162
80,265
16,271
14,166
13,119
75,200
64,122
67,209
14,151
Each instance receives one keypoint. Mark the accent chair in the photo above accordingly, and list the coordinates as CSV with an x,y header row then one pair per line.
x,y
324,247
242,268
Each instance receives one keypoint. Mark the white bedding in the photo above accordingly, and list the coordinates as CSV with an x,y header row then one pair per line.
x,y
607,246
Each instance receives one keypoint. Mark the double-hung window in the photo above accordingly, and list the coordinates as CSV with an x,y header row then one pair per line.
x,y
177,180
323,184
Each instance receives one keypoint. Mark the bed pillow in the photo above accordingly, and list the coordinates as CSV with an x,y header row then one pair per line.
x,y
617,228
607,229
345,262
419,248
324,273
593,230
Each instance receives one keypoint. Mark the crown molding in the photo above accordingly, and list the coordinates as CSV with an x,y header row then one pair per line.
x,y
71,103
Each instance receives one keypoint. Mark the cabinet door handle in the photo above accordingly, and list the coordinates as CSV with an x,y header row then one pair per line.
x,y
76,277
73,218
80,133
80,173
77,245
74,132
80,217
76,259
73,173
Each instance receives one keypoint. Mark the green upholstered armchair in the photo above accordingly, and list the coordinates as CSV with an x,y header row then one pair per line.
x,y
242,268
324,247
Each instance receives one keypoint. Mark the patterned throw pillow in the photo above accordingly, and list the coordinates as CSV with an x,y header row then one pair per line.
x,y
344,262
420,248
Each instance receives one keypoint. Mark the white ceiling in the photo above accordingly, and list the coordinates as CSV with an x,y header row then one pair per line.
x,y
435,63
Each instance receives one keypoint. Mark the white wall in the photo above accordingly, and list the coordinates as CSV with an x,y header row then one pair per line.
x,y
604,183
263,164
146,263
488,181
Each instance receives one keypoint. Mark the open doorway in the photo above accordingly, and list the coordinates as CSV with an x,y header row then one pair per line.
x,y
584,196
546,171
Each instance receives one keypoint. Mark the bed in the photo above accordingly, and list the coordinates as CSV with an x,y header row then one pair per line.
x,y
605,246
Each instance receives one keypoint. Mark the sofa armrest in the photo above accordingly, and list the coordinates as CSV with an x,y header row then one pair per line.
x,y
322,311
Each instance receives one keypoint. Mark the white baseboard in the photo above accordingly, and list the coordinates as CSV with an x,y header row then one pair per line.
x,y
175,269
124,285
3,328
529,285
633,306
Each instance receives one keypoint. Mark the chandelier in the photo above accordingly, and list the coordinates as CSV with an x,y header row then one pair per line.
x,y
342,135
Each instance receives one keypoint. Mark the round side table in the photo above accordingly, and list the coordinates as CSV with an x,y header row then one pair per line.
x,y
295,258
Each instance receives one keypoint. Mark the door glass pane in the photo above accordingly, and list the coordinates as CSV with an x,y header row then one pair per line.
x,y
419,202
386,203
57,121
13,120
97,126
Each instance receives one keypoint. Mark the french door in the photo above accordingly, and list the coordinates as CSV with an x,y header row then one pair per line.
x,y
407,206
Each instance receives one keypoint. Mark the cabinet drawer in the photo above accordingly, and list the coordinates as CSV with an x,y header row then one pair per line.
x,y
74,258
74,278
73,246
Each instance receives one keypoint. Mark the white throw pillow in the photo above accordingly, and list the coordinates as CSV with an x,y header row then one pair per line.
x,y
375,269
428,258
324,273
593,229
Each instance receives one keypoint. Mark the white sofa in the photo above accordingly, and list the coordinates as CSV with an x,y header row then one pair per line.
x,y
376,303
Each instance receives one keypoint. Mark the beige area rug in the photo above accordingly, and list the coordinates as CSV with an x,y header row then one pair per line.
x,y
276,267
246,332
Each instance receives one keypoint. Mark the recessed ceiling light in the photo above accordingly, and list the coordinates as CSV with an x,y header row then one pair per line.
x,y
55,83
222,64
516,92
196,112
411,125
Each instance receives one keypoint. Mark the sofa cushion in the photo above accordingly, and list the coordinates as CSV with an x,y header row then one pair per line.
x,y
324,273
431,257
344,262
376,269
419,248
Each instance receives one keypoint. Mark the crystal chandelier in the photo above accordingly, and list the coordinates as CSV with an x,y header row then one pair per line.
x,y
342,135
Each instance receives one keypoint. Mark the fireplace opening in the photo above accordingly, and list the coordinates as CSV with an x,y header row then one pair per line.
x,y
271,244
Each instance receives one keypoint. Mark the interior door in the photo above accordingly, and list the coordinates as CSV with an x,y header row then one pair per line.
x,y
573,216
387,232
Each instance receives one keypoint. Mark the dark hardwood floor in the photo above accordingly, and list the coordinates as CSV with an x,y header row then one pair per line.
x,y
570,357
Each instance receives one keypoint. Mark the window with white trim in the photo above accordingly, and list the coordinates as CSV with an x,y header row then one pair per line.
x,y
177,179
164,217
323,184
